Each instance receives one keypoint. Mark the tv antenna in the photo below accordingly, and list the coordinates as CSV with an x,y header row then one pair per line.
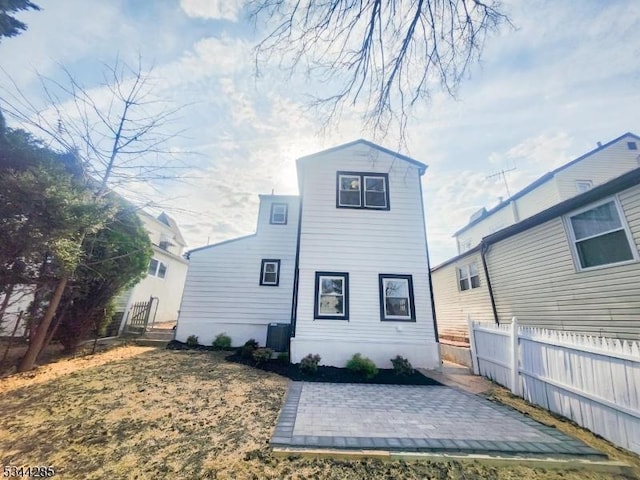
x,y
503,173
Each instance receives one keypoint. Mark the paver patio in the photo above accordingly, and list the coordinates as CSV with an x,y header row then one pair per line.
x,y
413,418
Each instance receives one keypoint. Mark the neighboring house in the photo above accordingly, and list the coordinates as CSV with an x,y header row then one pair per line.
x,y
591,169
346,264
165,276
574,266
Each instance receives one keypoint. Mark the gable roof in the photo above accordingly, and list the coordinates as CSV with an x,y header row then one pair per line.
x,y
544,178
618,184
421,166
171,223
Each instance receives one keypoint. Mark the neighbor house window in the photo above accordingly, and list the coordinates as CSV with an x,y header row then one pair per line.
x,y
362,190
396,298
278,214
157,268
599,235
632,145
332,296
468,276
270,273
583,185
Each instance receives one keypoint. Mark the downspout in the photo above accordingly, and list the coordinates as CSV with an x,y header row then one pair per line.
x,y
483,251
296,278
426,246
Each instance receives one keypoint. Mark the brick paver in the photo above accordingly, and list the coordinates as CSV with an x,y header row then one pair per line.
x,y
412,418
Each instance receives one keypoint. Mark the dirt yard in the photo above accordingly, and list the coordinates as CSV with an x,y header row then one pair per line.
x,y
138,413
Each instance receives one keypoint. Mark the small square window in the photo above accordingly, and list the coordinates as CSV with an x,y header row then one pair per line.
x,y
396,298
583,185
632,145
362,190
270,272
278,214
468,277
332,296
599,236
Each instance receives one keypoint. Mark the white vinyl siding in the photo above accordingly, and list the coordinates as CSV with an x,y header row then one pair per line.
x,y
222,291
453,306
363,243
534,278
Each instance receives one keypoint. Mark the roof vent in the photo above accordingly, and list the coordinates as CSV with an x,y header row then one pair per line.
x,y
479,214
599,144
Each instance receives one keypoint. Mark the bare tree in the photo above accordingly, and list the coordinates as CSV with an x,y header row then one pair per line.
x,y
120,130
379,57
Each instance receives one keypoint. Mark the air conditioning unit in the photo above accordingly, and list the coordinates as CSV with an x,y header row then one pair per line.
x,y
278,337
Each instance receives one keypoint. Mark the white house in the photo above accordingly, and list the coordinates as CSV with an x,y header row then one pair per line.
x,y
574,266
165,276
348,268
587,171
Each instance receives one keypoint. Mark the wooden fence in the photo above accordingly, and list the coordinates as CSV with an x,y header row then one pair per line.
x,y
594,381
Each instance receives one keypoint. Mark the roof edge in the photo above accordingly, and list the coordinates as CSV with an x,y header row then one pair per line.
x,y
197,249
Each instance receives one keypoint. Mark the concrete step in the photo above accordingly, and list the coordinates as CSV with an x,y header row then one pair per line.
x,y
166,335
149,342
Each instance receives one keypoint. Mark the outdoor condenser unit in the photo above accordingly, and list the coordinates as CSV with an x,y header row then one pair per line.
x,y
278,337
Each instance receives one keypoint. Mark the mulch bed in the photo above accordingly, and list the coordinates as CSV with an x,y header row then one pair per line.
x,y
323,374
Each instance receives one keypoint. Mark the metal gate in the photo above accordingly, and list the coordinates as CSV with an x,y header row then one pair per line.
x,y
140,312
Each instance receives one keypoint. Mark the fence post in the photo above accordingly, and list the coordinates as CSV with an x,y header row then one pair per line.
x,y
472,347
515,365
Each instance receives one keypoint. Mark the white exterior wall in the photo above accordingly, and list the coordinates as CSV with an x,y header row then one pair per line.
x,y
473,235
159,231
363,243
222,291
168,290
534,278
453,307
600,167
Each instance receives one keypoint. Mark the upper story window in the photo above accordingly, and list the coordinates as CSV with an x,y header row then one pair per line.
x,y
332,296
270,273
583,185
464,245
599,235
632,145
468,276
396,298
362,190
278,214
157,268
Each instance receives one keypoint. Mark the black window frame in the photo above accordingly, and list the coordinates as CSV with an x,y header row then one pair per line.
x,y
362,176
345,291
262,272
412,303
286,213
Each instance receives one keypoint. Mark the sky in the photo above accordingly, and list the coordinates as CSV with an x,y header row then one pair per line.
x,y
546,91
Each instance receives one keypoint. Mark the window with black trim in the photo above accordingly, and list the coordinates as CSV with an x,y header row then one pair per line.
x,y
332,296
362,190
396,298
278,214
157,268
270,273
599,235
468,276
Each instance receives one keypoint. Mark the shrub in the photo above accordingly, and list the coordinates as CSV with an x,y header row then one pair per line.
x,y
222,341
401,366
192,341
261,355
283,357
362,366
249,347
309,364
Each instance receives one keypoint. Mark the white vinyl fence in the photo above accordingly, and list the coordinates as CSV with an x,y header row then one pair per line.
x,y
594,381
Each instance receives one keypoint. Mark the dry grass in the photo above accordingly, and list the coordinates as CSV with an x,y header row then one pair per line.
x,y
134,412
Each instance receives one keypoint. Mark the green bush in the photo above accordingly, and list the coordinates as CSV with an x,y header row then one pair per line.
x,y
261,355
362,366
283,357
309,364
222,341
401,366
192,341
249,347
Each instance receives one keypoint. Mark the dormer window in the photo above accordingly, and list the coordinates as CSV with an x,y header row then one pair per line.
x,y
362,190
278,214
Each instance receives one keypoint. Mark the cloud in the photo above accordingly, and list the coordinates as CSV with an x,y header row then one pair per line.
x,y
213,9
